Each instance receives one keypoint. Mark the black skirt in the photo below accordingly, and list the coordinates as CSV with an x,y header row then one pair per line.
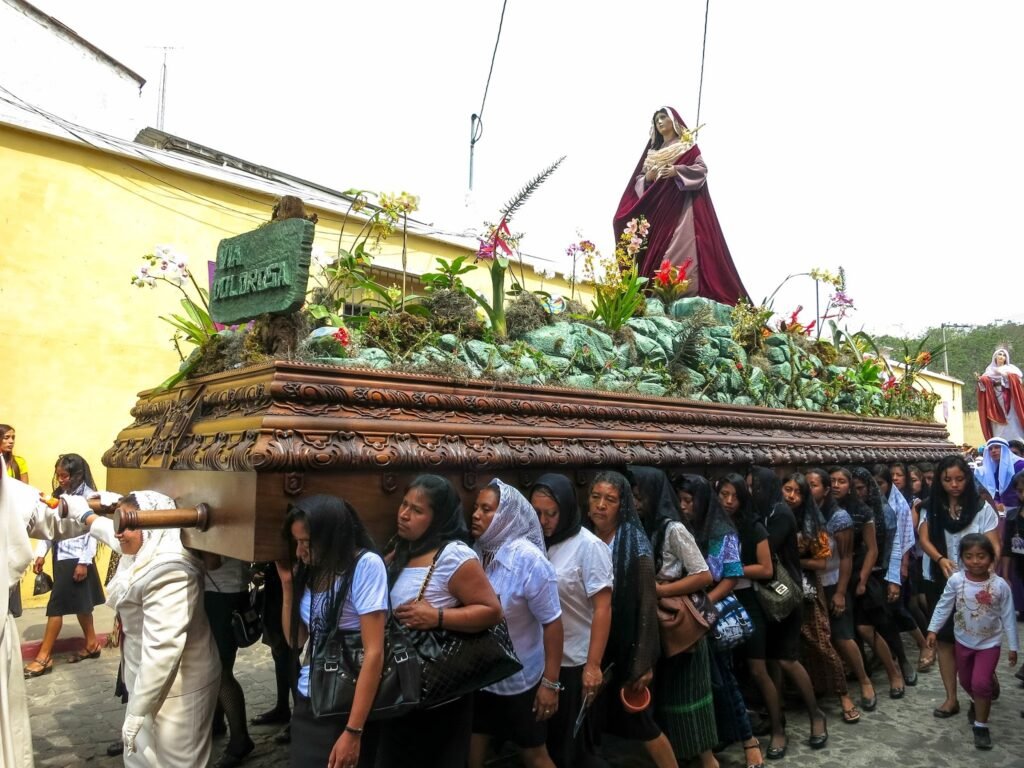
x,y
313,737
428,738
70,597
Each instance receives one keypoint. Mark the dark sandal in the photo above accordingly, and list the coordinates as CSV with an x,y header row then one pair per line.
x,y
43,667
84,654
944,713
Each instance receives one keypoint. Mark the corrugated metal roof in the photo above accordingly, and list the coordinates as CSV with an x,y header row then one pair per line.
x,y
198,160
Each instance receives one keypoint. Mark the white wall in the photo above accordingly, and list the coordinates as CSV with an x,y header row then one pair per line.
x,y
53,72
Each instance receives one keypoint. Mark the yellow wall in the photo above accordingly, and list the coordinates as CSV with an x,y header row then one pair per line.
x,y
950,409
80,341
972,430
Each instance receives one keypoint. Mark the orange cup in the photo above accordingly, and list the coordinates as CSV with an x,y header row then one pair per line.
x,y
635,702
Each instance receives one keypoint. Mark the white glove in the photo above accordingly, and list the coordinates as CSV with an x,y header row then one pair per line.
x,y
130,729
77,507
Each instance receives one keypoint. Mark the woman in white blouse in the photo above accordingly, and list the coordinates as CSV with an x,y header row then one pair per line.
x,y
76,584
583,565
953,510
337,566
432,531
510,543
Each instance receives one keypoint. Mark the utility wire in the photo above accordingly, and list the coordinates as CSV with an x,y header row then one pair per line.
x,y
703,48
476,122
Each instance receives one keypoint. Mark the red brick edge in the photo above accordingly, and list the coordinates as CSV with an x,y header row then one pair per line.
x,y
65,645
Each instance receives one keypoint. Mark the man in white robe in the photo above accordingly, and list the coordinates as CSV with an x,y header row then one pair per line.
x,y
15,556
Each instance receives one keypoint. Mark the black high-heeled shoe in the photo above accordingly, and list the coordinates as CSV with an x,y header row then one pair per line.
x,y
777,753
819,741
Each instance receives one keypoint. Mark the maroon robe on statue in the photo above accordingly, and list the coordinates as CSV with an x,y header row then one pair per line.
x,y
683,222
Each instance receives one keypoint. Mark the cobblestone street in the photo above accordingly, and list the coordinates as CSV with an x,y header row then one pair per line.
x,y
75,716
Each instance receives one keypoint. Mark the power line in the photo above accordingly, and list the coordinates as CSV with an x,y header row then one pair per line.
x,y
476,122
703,48
77,131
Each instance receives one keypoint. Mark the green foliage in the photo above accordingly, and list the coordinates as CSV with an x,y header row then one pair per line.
x,y
492,247
196,326
447,275
615,304
750,325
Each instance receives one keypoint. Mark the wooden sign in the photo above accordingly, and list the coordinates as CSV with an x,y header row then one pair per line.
x,y
263,271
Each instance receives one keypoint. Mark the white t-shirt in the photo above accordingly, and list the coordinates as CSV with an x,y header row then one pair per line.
x,y
983,611
230,578
368,593
407,585
680,554
526,584
583,567
986,520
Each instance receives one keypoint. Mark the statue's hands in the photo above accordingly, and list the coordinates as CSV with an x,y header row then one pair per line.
x,y
651,175
666,172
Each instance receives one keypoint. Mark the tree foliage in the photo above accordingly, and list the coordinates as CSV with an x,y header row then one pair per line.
x,y
969,351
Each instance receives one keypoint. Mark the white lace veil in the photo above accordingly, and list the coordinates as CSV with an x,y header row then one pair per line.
x,y
158,547
515,519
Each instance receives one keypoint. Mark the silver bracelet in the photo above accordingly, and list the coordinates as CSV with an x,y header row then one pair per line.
x,y
553,685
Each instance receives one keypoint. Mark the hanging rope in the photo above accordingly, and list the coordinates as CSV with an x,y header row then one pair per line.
x,y
703,48
476,123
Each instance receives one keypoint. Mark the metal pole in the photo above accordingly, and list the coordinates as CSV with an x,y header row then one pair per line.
x,y
945,357
163,93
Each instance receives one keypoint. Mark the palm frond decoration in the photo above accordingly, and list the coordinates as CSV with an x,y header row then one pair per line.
x,y
517,200
691,337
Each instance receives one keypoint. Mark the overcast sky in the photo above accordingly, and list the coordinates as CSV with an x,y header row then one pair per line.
x,y
880,135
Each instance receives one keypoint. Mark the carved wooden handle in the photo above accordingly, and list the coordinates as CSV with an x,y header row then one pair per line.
x,y
132,519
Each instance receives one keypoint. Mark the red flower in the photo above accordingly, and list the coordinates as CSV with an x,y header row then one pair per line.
x,y
739,366
342,336
683,270
664,274
985,597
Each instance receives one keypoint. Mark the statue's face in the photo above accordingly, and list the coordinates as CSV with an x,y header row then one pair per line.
x,y
1000,358
663,124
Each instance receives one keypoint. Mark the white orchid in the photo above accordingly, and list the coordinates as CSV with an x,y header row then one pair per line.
x,y
319,257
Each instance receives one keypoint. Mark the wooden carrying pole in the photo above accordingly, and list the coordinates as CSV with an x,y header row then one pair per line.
x,y
192,517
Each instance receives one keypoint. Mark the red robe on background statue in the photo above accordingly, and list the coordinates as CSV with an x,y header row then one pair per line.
x,y
669,188
1001,399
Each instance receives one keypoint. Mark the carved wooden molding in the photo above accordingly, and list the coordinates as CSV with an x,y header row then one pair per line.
x,y
289,417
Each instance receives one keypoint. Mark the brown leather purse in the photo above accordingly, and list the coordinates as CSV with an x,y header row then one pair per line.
x,y
683,621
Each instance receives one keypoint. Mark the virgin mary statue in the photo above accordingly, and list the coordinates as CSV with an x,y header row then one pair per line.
x,y
1001,399
669,188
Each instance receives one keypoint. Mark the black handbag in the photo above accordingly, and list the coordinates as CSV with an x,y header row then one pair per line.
x,y
456,663
338,658
43,583
246,623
